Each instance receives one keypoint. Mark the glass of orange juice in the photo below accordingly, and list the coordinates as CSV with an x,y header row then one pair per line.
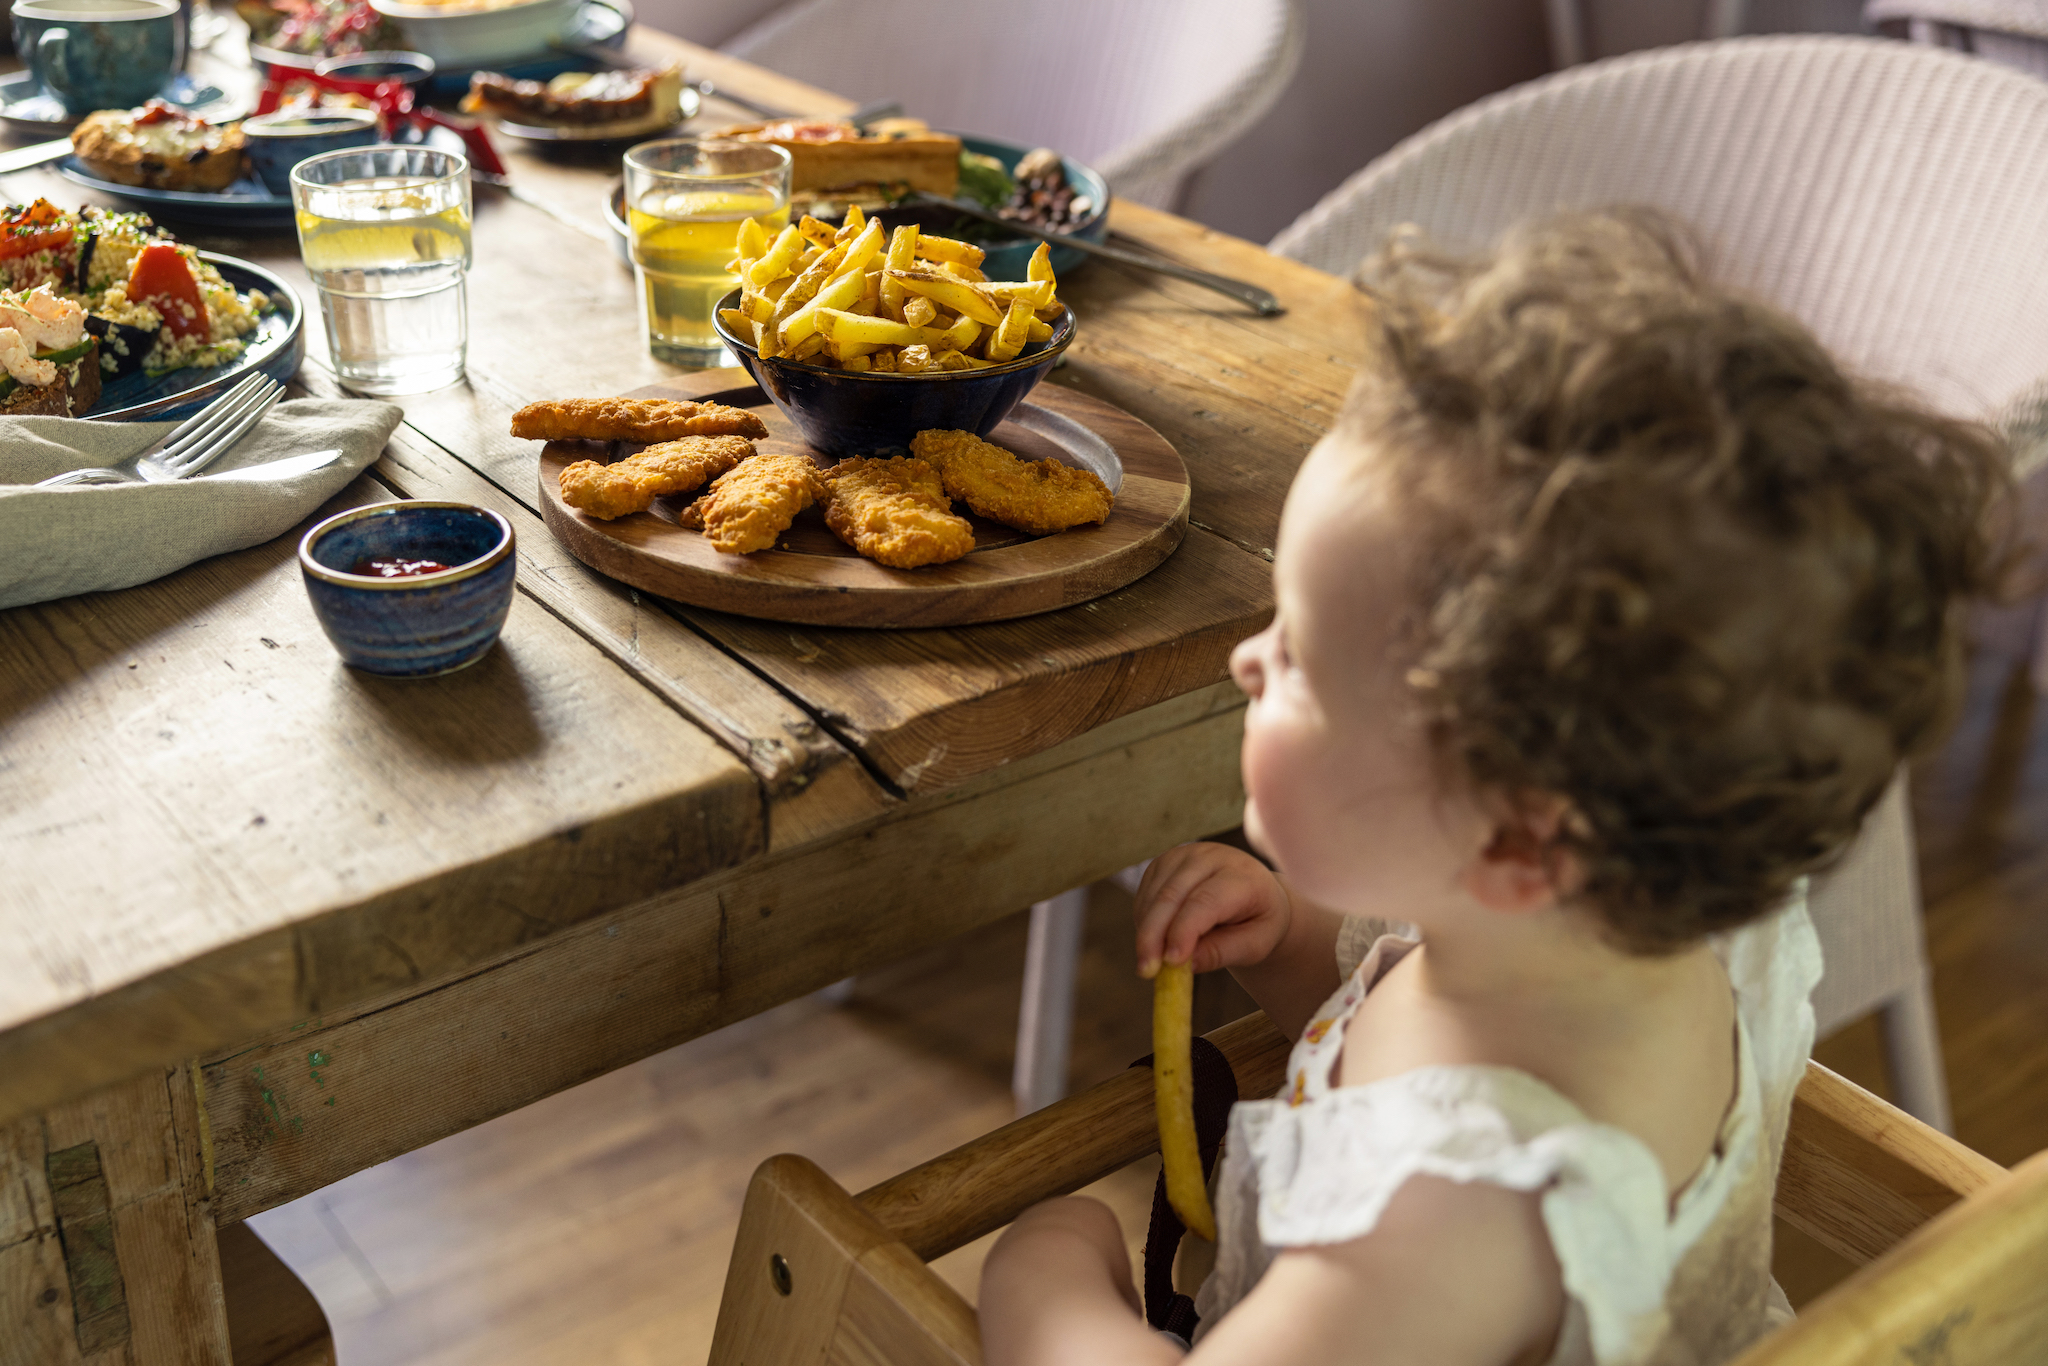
x,y
685,201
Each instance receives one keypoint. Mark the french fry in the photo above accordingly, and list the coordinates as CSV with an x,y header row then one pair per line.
x,y
785,249
951,360
1040,265
972,275
820,233
806,286
885,361
861,249
764,338
1005,293
1039,331
855,224
957,295
1009,338
844,351
808,347
856,364
737,320
1173,1093
903,248
914,359
753,239
960,334
919,311
803,324
935,248
842,325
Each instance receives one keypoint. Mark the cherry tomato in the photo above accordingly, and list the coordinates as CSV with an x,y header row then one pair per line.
x,y
161,279
41,224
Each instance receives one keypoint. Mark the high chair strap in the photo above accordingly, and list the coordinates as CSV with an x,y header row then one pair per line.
x,y
1215,1092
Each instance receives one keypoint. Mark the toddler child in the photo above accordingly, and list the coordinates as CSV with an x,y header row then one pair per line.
x,y
1606,613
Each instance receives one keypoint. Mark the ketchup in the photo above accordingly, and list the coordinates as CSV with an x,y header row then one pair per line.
x,y
396,569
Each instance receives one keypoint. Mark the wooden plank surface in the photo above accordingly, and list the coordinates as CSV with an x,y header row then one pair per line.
x,y
211,828
316,1102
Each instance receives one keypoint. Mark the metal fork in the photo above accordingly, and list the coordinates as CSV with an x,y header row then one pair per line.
x,y
192,445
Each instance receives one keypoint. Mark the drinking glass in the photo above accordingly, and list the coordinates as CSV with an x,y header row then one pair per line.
x,y
384,232
685,201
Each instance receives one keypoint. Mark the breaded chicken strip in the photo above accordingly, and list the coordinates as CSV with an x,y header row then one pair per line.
x,y
894,512
754,502
1037,496
631,419
631,485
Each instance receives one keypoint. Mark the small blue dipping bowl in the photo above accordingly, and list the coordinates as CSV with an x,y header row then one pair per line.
x,y
277,142
842,413
411,627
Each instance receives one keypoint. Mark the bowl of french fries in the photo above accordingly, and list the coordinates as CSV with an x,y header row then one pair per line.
x,y
864,337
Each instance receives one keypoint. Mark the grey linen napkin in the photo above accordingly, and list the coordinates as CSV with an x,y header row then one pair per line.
x,y
56,542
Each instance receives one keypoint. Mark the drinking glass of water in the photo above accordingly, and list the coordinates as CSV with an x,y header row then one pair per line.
x,y
685,201
384,232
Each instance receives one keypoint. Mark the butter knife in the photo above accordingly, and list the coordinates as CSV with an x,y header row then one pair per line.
x,y
22,158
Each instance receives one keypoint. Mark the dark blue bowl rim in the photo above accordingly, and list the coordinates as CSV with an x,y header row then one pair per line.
x,y
453,574
1061,336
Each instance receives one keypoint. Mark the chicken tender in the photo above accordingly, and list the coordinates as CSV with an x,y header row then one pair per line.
x,y
631,419
631,485
754,502
1035,496
894,512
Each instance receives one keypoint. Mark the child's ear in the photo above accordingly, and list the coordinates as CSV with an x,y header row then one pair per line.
x,y
1525,865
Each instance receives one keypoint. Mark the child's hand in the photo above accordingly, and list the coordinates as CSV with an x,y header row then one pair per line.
x,y
1211,905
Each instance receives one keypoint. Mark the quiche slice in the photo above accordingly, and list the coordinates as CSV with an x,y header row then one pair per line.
x,y
159,147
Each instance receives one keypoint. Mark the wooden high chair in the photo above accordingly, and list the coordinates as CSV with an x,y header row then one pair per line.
x,y
1954,1247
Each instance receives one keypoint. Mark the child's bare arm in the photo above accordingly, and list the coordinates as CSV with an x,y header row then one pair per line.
x,y
1454,1274
1219,907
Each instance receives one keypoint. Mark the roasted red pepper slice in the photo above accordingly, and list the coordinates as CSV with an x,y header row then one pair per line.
x,y
38,225
161,278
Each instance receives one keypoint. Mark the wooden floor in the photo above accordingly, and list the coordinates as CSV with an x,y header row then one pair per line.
x,y
594,1226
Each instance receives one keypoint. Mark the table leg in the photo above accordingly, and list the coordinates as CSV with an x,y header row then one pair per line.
x,y
108,1255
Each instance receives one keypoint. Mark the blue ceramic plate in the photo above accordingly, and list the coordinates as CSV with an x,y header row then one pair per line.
x,y
1007,258
275,348
247,203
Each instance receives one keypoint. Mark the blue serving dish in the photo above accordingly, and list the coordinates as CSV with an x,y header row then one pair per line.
x,y
1007,259
843,413
414,627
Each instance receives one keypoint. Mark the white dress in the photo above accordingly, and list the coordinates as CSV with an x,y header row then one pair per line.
x,y
1647,1284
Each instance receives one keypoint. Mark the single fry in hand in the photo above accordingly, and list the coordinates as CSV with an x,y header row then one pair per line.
x,y
631,419
753,503
631,485
1173,1093
894,512
1037,496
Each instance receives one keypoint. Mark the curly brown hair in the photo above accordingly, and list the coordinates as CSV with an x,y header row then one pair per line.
x,y
1679,569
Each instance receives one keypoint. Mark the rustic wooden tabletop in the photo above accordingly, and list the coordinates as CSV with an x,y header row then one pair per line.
x,y
283,921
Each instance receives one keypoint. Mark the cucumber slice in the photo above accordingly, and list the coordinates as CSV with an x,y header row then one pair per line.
x,y
68,354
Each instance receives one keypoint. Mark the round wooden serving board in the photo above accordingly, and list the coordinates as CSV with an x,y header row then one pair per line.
x,y
814,578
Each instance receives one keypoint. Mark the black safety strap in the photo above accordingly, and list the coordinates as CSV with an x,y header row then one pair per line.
x,y
1215,1092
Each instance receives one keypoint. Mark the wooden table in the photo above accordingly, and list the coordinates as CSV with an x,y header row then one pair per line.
x,y
265,922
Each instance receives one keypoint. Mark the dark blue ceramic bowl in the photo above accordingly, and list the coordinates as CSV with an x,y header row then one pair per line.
x,y
277,142
842,413
411,627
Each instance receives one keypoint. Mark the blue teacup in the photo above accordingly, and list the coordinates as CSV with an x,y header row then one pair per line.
x,y
277,142
98,54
